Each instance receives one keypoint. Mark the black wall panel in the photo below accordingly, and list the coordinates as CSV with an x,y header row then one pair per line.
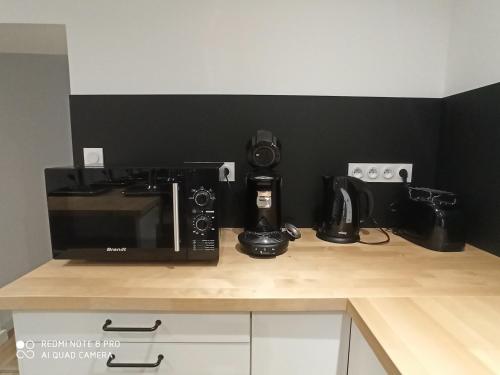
x,y
320,135
470,161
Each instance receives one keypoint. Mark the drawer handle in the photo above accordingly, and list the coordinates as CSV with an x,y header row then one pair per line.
x,y
112,357
106,327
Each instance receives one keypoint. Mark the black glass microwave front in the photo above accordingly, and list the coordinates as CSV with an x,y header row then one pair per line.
x,y
146,214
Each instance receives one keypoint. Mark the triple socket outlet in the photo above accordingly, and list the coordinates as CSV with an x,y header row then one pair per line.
x,y
379,172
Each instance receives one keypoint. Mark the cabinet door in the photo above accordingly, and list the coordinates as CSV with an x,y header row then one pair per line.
x,y
362,359
178,359
300,343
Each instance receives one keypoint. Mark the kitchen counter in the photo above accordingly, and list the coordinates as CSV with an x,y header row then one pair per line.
x,y
418,308
432,335
312,276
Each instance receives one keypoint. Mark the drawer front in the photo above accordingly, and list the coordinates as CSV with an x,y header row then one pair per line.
x,y
178,359
38,326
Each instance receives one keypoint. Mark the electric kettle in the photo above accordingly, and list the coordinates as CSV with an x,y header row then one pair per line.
x,y
342,206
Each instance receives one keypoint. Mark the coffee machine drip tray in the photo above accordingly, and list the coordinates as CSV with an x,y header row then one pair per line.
x,y
264,243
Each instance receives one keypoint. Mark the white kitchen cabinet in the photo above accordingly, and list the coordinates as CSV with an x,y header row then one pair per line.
x,y
300,343
179,359
61,343
362,359
74,343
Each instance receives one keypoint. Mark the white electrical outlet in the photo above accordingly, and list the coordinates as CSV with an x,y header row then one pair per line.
x,y
379,172
222,177
93,157
231,176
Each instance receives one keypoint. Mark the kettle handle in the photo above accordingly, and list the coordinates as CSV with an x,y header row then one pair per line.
x,y
337,204
363,188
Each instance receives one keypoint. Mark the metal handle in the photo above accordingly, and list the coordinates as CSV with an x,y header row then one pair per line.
x,y
292,231
106,327
112,357
175,213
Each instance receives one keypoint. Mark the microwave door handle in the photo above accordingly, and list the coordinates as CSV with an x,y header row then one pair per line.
x,y
175,213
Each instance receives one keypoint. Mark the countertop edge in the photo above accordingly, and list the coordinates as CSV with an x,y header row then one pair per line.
x,y
370,337
48,303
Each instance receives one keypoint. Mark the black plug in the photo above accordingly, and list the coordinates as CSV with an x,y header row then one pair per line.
x,y
226,176
403,173
226,173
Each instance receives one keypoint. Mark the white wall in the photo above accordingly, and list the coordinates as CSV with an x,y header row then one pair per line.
x,y
474,52
308,47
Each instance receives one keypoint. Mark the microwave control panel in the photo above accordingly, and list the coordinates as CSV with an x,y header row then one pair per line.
x,y
202,224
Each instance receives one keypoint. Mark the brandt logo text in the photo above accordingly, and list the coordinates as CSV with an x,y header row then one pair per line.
x,y
116,249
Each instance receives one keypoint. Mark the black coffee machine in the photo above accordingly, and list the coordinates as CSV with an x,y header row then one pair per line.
x,y
264,233
342,214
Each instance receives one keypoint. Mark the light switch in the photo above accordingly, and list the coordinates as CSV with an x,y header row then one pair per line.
x,y
93,157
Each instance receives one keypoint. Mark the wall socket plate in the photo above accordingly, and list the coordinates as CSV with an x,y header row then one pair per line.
x,y
231,165
93,157
379,172
232,176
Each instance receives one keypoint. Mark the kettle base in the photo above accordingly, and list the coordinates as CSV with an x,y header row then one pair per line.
x,y
335,239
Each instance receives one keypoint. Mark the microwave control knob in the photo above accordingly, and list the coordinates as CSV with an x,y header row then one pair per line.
x,y
202,223
202,197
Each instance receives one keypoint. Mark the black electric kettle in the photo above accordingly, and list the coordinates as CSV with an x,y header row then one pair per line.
x,y
342,214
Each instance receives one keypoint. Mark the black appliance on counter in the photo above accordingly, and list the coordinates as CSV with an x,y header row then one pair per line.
x,y
432,219
134,213
342,209
264,234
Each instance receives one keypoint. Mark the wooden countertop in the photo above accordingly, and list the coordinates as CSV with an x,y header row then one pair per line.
x,y
312,275
432,335
418,308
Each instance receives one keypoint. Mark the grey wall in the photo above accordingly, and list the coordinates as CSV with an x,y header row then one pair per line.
x,y
34,133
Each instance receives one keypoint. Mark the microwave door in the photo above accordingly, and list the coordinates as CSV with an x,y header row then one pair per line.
x,y
166,225
135,224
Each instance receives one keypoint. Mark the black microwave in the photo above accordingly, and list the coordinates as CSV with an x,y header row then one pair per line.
x,y
134,213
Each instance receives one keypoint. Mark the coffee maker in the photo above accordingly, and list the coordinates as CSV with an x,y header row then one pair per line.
x,y
264,234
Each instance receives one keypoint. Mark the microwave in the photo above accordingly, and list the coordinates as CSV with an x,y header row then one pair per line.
x,y
134,213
